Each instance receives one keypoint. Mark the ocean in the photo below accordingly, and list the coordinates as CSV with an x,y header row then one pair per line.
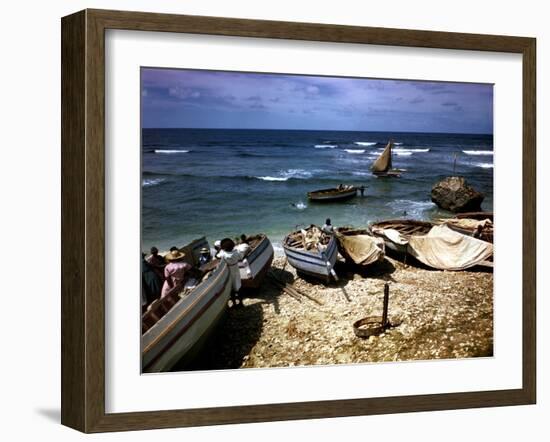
x,y
221,183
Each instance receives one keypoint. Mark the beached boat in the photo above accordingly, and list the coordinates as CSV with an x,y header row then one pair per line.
x,y
476,224
175,327
446,249
382,166
257,261
396,233
333,194
359,246
312,252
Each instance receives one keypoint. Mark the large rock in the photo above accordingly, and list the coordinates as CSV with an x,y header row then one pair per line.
x,y
455,194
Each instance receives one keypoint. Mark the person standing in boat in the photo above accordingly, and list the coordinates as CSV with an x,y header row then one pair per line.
x,y
174,273
151,284
204,257
157,262
328,228
232,257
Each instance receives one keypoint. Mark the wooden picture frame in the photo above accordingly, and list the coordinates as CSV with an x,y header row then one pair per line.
x,y
83,220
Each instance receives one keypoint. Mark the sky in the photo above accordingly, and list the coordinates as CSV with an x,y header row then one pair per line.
x,y
178,98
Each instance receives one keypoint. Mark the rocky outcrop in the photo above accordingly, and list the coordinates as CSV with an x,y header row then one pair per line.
x,y
455,194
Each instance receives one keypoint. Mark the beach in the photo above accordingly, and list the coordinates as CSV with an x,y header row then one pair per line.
x,y
434,315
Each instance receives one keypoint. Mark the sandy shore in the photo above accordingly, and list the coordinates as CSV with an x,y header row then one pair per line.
x,y
436,315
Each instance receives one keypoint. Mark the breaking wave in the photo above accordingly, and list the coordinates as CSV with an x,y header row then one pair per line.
x,y
287,174
148,182
325,146
365,143
355,150
171,151
412,150
485,165
478,152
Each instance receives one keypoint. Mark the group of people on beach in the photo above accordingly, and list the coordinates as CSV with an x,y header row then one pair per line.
x,y
163,276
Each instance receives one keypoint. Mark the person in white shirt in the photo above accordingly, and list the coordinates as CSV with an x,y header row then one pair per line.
x,y
232,257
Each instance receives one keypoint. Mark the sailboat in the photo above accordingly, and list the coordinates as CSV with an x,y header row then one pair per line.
x,y
382,167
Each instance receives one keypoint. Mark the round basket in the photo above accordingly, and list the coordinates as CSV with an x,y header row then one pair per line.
x,y
369,326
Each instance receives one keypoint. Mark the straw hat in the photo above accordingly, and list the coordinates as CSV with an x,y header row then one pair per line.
x,y
174,256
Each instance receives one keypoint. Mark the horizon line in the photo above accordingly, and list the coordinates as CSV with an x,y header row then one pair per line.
x,y
316,130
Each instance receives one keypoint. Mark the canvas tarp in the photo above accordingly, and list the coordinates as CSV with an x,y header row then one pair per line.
x,y
362,249
443,248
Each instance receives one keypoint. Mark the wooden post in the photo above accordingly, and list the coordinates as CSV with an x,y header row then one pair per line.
x,y
386,302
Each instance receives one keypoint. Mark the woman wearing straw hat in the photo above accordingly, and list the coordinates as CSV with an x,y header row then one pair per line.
x,y
174,273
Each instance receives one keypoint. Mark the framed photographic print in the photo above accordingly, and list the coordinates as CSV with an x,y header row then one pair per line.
x,y
330,220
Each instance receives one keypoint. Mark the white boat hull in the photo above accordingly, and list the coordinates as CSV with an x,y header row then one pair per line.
x,y
314,263
177,335
258,262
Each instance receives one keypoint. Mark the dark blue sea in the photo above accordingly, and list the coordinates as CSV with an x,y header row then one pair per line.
x,y
219,182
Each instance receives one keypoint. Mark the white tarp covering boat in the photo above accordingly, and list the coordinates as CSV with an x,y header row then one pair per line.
x,y
445,249
361,248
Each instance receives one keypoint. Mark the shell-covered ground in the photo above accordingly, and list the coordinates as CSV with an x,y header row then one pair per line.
x,y
434,315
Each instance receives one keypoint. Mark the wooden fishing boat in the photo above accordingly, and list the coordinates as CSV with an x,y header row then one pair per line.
x,y
359,246
396,233
333,194
257,261
315,257
174,328
476,224
382,166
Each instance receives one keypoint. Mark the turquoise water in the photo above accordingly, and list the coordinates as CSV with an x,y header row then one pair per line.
x,y
226,182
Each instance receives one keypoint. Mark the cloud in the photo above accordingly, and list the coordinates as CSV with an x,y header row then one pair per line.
x,y
417,100
183,93
254,98
443,91
449,103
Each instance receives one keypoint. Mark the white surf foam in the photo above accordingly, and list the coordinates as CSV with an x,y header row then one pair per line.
x,y
152,182
485,165
412,150
409,208
285,175
402,153
478,152
171,151
365,143
324,146
397,144
272,178
355,150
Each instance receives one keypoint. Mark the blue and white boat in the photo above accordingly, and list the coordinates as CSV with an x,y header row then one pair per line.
x,y
257,261
315,259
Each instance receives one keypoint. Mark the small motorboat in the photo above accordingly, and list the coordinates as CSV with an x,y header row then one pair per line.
x,y
339,193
